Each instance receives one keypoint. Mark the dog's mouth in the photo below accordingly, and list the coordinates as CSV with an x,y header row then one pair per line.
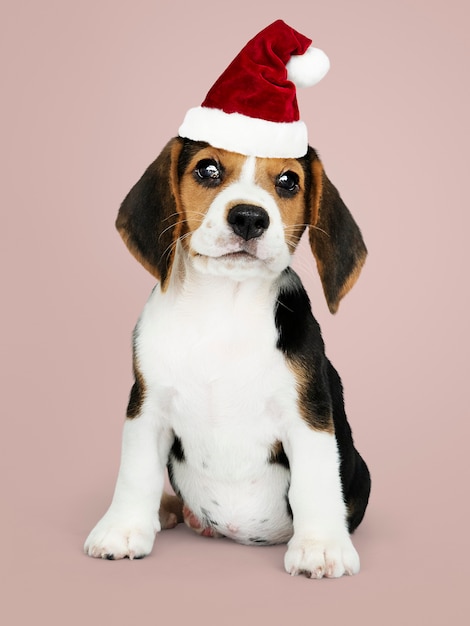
x,y
239,255
237,264
242,256
233,260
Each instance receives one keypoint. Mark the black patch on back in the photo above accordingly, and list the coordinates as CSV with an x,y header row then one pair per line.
x,y
299,338
355,477
299,334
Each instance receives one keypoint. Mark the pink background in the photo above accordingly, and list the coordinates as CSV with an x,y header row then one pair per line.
x,y
91,91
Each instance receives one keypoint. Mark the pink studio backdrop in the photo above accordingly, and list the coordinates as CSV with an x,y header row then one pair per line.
x,y
91,91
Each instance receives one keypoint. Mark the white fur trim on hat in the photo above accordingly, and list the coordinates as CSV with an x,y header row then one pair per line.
x,y
246,135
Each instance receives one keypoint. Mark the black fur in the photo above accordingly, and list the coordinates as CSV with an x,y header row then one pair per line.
x,y
135,400
176,455
189,150
137,394
177,450
278,455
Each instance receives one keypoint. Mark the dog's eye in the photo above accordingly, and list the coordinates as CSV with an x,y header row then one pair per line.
x,y
208,172
287,184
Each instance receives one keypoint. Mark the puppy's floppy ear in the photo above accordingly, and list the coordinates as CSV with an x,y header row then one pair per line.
x,y
149,220
335,238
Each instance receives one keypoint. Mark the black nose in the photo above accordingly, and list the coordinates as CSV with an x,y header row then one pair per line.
x,y
248,221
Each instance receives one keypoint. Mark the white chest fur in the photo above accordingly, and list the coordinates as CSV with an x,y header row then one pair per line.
x,y
215,377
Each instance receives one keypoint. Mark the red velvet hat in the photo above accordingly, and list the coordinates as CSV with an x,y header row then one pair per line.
x,y
252,108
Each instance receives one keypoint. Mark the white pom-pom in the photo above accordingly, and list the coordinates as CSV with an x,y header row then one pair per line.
x,y
307,69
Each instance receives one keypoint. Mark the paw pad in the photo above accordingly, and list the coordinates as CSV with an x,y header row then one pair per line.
x,y
193,522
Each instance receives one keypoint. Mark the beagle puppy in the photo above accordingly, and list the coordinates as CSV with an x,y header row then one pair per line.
x,y
233,392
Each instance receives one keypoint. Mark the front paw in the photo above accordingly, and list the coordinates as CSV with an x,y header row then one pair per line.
x,y
115,537
316,558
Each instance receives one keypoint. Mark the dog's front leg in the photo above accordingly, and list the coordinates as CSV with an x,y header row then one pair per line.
x,y
321,545
129,526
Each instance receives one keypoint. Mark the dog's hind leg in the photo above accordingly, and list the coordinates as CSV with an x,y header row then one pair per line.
x,y
171,511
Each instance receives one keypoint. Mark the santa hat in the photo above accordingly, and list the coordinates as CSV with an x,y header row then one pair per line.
x,y
252,108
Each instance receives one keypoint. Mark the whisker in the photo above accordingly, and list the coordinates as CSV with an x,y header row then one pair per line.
x,y
169,249
283,305
165,230
295,226
291,227
292,234
172,226
196,213
169,216
321,230
181,221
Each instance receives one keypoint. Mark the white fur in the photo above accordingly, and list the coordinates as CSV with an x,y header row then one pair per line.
x,y
306,70
214,377
321,544
129,526
227,390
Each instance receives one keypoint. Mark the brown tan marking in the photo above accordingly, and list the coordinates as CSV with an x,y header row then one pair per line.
x,y
195,198
278,454
292,209
317,190
175,191
305,380
138,391
352,278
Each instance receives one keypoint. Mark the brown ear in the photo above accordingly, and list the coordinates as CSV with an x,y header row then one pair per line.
x,y
335,238
149,218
